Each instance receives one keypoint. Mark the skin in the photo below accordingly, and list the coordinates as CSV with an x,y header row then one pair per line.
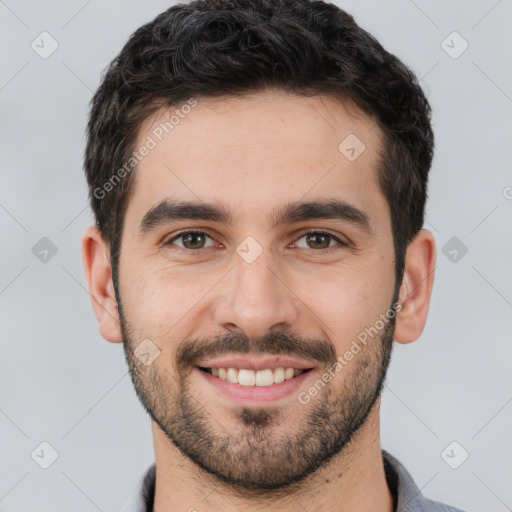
x,y
253,154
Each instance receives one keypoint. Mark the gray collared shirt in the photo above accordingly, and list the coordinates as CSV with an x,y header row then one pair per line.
x,y
408,497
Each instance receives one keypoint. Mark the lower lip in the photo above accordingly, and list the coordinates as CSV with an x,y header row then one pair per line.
x,y
255,394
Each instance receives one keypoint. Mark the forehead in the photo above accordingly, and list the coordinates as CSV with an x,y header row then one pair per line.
x,y
257,151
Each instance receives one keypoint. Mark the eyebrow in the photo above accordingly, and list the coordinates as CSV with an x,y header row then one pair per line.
x,y
167,211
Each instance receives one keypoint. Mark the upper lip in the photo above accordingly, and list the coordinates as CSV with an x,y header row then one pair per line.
x,y
256,362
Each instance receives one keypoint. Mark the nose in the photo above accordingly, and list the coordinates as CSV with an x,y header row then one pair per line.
x,y
255,299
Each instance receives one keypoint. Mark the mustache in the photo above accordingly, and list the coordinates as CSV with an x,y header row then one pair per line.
x,y
191,352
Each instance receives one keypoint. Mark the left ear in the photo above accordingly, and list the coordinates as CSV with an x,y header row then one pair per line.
x,y
416,287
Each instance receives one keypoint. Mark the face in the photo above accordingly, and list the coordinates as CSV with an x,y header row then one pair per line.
x,y
256,259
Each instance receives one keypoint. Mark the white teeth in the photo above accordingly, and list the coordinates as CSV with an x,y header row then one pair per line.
x,y
246,377
255,378
264,378
288,373
233,375
278,375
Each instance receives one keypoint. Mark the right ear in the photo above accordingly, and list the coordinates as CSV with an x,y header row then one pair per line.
x,y
98,273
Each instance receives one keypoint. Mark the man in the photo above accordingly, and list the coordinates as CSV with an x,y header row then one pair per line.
x,y
258,173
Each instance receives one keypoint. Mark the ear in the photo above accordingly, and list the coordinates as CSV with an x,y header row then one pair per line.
x,y
416,287
98,272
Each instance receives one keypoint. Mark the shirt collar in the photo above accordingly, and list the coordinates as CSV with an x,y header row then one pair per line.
x,y
407,496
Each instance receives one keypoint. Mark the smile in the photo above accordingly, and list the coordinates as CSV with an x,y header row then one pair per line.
x,y
246,377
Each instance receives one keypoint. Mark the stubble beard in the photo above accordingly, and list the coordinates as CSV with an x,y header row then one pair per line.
x,y
260,456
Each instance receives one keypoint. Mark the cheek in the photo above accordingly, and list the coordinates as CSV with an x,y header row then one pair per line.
x,y
161,299
145,297
348,301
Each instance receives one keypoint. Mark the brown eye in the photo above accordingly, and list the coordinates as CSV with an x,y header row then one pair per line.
x,y
190,240
319,240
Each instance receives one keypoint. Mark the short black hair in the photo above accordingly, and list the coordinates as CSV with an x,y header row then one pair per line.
x,y
208,48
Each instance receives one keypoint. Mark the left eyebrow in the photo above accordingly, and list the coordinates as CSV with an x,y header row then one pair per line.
x,y
335,209
167,211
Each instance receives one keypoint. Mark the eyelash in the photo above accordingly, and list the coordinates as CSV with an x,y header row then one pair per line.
x,y
307,232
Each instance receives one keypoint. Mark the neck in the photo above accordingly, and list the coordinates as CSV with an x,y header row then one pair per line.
x,y
352,481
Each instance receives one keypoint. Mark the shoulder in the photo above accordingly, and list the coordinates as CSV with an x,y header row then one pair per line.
x,y
408,496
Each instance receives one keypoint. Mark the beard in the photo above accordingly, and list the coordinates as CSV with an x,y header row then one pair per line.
x,y
257,457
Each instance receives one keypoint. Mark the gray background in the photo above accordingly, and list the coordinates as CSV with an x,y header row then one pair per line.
x,y
60,382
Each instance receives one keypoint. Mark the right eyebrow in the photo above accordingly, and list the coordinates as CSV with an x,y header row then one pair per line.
x,y
167,211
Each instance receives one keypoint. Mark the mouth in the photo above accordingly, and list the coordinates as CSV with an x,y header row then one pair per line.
x,y
255,379
248,377
256,382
